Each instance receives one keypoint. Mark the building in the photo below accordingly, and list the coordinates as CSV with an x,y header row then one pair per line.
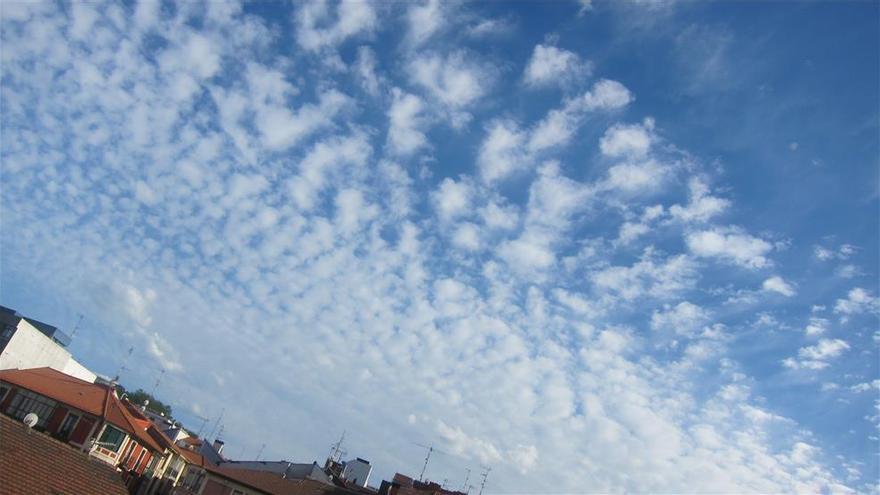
x,y
34,463
357,471
28,343
404,485
287,469
88,416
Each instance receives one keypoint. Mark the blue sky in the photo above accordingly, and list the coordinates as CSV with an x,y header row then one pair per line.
x,y
598,246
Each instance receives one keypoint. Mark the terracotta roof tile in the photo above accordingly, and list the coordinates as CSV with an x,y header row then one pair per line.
x,y
34,463
95,399
273,484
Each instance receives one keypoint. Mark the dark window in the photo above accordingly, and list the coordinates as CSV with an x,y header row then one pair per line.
x,y
111,439
3,391
26,402
68,425
6,332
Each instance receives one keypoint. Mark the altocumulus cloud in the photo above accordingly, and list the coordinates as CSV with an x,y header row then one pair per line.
x,y
267,205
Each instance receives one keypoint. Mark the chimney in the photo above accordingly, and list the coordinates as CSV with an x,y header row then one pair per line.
x,y
218,446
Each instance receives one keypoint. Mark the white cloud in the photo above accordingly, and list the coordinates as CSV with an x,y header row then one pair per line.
x,y
702,206
586,6
857,301
731,244
424,20
453,80
490,27
366,70
843,252
825,349
280,128
777,284
501,153
552,65
453,199
467,237
816,357
406,120
607,95
649,276
499,217
632,141
530,252
685,318
817,326
637,178
351,18
866,386
524,457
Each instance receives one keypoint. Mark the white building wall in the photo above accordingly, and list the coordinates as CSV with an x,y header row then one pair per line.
x,y
357,471
74,369
30,348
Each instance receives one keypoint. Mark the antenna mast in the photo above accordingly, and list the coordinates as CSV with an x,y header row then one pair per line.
x,y
427,457
336,451
467,476
216,423
158,381
483,484
263,446
122,366
76,327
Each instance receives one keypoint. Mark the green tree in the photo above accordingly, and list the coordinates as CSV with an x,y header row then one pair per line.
x,y
157,406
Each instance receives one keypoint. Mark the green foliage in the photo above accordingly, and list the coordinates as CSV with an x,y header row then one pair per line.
x,y
155,405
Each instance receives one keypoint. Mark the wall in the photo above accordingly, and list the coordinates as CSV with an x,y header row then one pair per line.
x,y
359,470
30,348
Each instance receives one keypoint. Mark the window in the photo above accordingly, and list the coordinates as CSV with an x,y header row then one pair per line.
x,y
68,425
174,469
111,439
140,458
3,391
26,402
6,333
237,492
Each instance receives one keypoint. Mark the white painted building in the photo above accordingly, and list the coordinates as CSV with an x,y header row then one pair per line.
x,y
27,343
357,471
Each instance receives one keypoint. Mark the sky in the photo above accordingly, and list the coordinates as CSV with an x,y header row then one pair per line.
x,y
595,246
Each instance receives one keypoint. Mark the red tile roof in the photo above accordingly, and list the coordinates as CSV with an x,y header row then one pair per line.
x,y
409,486
95,399
273,484
34,463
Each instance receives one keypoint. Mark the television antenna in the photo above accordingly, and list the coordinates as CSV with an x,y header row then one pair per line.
x,y
216,423
158,381
76,327
336,451
260,452
467,477
122,367
431,450
485,475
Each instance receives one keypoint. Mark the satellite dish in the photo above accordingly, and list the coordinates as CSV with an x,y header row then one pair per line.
x,y
31,419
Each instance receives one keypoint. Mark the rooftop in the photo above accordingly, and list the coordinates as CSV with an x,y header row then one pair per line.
x,y
95,399
34,463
